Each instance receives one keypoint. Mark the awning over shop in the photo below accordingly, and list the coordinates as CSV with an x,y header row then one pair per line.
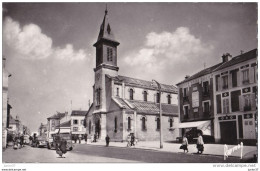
x,y
197,124
62,130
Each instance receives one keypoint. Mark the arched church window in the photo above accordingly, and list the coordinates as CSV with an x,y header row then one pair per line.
x,y
109,54
115,122
169,99
158,98
117,91
143,123
145,96
129,123
171,122
131,94
158,126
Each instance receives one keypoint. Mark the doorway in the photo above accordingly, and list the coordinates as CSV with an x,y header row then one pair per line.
x,y
228,132
98,128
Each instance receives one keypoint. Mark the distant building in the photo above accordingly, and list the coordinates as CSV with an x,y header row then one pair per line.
x,y
43,130
77,123
124,105
235,94
53,122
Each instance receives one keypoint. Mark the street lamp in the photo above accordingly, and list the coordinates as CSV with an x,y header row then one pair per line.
x,y
160,109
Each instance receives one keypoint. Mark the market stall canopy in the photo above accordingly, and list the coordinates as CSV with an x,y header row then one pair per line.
x,y
197,124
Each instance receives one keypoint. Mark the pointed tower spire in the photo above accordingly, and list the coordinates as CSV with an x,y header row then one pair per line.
x,y
105,29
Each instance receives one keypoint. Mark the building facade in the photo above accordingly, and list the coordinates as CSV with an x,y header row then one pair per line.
x,y
235,93
124,105
225,96
53,122
77,123
196,104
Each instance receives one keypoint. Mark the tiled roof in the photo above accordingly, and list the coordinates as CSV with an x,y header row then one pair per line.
x,y
145,84
238,59
147,107
57,116
78,113
200,73
65,124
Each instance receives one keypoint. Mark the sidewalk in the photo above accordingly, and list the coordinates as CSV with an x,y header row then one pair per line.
x,y
209,149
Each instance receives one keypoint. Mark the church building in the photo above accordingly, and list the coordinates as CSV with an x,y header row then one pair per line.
x,y
124,105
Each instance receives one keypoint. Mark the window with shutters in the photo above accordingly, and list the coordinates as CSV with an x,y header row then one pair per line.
x,y
217,82
225,106
235,100
186,112
185,94
206,88
247,102
225,82
206,108
245,76
219,109
234,78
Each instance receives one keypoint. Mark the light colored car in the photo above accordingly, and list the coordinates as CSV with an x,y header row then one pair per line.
x,y
26,139
41,142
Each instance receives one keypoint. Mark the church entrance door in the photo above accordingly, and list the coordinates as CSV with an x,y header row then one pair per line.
x,y
98,128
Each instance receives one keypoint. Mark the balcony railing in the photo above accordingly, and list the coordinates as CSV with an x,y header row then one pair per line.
x,y
225,87
245,81
247,108
206,93
185,99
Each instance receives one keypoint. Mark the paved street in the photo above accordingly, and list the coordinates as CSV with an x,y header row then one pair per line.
x,y
98,153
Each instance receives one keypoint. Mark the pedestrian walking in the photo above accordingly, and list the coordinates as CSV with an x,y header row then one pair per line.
x,y
80,138
185,144
132,140
200,144
63,147
95,137
107,140
91,138
21,141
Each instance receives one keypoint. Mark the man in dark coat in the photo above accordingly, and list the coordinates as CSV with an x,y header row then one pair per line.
x,y
132,140
63,146
107,140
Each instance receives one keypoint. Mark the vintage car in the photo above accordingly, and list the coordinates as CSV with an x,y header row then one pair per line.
x,y
41,142
52,142
26,139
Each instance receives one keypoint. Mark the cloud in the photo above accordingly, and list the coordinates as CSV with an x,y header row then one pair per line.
x,y
163,53
29,42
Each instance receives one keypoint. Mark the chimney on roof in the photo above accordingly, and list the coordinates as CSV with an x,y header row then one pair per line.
x,y
187,76
226,57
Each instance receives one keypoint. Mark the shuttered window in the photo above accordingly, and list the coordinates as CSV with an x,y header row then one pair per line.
x,y
235,100
219,103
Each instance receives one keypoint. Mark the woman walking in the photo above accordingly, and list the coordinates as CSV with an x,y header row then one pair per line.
x,y
185,143
200,144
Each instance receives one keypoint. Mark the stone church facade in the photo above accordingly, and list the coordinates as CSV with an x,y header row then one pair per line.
x,y
123,105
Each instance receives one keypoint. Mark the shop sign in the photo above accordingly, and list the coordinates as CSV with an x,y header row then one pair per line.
x,y
223,118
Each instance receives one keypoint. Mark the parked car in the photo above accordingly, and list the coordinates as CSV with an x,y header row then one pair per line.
x,y
41,142
57,137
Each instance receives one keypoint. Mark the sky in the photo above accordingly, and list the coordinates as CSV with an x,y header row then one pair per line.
x,y
50,54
